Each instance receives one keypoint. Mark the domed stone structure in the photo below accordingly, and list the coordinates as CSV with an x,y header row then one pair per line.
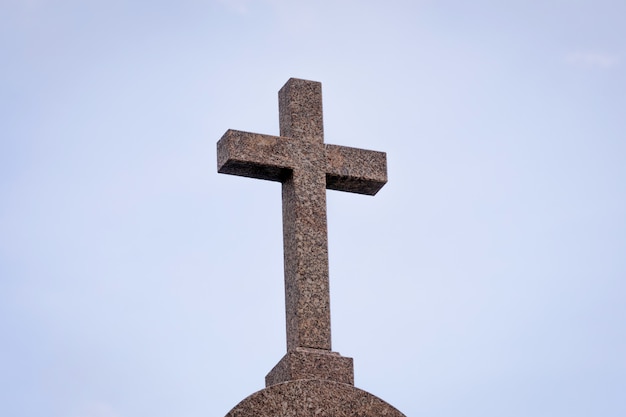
x,y
313,398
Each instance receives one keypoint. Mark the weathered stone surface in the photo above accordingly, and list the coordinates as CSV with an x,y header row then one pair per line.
x,y
310,380
305,166
303,363
313,398
355,170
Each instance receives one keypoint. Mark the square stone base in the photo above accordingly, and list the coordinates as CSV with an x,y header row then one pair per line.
x,y
305,363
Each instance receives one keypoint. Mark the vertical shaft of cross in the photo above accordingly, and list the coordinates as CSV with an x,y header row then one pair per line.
x,y
305,236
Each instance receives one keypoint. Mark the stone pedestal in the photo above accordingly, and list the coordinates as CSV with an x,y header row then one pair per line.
x,y
304,363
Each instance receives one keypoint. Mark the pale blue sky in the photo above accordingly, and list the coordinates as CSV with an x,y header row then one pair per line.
x,y
486,278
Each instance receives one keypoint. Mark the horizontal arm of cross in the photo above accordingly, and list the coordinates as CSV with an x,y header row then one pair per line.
x,y
273,157
254,155
355,170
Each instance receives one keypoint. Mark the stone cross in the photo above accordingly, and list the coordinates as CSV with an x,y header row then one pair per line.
x,y
306,167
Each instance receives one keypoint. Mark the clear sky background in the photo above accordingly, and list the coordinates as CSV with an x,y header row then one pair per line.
x,y
487,278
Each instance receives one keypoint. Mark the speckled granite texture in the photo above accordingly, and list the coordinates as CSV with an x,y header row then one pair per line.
x,y
313,398
305,166
303,363
310,379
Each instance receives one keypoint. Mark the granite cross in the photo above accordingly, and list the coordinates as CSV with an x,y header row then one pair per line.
x,y
306,167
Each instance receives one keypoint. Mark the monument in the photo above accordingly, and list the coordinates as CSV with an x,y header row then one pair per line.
x,y
311,379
